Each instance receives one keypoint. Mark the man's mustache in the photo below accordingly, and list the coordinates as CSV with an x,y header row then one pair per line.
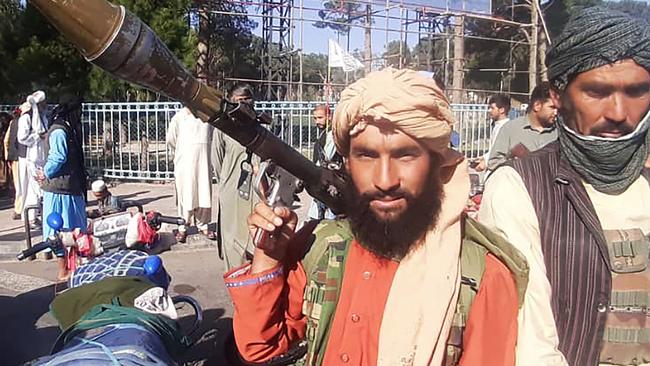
x,y
613,127
366,197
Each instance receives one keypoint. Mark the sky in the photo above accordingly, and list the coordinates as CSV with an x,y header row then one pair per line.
x,y
315,39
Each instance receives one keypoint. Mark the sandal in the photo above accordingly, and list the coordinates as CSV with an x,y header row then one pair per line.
x,y
209,234
181,236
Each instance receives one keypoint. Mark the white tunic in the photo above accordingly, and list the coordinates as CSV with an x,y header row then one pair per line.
x,y
191,139
31,132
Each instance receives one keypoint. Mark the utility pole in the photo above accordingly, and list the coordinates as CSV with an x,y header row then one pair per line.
x,y
459,59
203,42
368,40
534,36
543,44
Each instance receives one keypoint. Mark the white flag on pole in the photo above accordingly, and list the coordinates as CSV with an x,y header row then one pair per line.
x,y
340,58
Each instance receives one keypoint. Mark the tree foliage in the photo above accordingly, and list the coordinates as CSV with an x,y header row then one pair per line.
x,y
234,52
398,54
169,19
34,55
338,15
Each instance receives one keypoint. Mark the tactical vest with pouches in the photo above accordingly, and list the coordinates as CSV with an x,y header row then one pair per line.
x,y
626,338
324,264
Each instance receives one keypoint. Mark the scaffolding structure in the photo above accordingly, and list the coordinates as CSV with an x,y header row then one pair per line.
x,y
283,24
433,26
278,47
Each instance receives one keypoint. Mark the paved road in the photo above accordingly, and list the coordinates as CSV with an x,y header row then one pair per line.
x,y
27,288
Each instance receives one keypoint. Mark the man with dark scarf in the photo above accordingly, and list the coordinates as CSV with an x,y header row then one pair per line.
x,y
579,209
63,178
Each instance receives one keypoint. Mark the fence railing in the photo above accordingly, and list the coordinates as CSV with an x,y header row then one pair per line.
x,y
127,140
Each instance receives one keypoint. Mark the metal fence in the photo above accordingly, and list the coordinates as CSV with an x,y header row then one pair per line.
x,y
127,140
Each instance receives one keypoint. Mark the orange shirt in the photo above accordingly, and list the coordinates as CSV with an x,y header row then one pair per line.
x,y
268,318
354,336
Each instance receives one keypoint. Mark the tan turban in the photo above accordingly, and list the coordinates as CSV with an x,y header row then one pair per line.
x,y
413,102
36,97
24,108
37,124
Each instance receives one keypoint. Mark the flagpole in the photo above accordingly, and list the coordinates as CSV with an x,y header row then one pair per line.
x,y
329,77
328,88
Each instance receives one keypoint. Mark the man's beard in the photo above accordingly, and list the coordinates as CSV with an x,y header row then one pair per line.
x,y
394,238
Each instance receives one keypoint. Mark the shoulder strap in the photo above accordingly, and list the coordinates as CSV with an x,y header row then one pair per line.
x,y
478,240
325,233
478,234
324,265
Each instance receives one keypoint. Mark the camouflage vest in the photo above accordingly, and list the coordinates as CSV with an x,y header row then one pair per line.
x,y
626,340
325,262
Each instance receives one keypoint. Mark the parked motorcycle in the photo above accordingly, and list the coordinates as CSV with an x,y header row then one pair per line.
x,y
116,310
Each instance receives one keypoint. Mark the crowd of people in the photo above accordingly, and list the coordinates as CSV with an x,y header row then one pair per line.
x,y
203,153
43,157
554,270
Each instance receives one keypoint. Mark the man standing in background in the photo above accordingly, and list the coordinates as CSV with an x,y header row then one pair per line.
x,y
233,168
15,151
324,155
63,178
5,119
499,107
191,141
32,131
528,133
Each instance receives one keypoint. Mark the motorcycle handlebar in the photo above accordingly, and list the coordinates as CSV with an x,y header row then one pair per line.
x,y
158,219
49,243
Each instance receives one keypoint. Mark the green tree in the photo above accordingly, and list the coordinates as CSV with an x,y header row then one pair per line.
x,y
36,56
314,66
234,52
338,15
9,46
428,54
169,20
398,54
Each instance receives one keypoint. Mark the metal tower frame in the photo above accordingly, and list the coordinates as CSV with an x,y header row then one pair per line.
x,y
431,23
278,47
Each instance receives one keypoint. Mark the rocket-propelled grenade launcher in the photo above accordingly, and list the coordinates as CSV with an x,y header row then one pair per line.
x,y
114,39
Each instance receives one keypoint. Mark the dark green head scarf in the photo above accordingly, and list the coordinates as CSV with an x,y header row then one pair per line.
x,y
594,37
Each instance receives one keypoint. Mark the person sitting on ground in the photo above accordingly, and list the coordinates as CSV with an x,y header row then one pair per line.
x,y
107,204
